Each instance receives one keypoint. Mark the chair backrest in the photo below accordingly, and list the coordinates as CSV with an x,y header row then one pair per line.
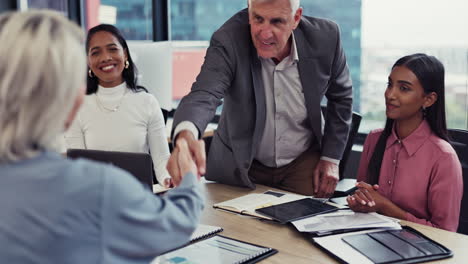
x,y
140,165
165,115
355,122
459,141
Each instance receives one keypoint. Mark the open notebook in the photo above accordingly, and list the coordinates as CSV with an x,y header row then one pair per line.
x,y
247,204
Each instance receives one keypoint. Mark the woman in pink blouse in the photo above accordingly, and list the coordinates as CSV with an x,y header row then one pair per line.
x,y
408,170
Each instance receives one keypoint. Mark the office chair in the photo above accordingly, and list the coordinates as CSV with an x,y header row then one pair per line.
x,y
165,115
345,184
355,122
459,141
209,138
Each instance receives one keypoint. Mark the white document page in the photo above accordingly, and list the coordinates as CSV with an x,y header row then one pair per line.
x,y
158,188
346,219
341,249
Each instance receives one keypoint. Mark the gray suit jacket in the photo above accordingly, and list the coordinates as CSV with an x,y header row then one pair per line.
x,y
232,71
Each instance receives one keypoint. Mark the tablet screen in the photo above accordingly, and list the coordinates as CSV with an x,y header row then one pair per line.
x,y
294,210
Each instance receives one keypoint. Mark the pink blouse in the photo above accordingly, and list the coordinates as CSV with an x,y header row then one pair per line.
x,y
421,174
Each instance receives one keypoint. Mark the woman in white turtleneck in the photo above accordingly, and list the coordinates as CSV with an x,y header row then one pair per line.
x,y
118,115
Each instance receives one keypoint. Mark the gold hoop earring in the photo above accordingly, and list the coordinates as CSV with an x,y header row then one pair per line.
x,y
127,64
90,73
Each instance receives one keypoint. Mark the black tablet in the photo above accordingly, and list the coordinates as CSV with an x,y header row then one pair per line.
x,y
295,210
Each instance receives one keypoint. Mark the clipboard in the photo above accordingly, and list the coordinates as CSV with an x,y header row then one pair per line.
x,y
216,249
204,231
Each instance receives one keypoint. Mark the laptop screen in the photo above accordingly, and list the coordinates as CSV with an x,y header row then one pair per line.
x,y
140,165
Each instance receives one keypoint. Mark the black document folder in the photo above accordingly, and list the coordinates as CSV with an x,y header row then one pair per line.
x,y
405,245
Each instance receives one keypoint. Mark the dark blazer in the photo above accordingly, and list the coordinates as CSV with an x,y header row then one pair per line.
x,y
232,71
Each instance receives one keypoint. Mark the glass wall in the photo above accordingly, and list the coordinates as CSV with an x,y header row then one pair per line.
x,y
59,5
192,24
134,18
375,33
392,29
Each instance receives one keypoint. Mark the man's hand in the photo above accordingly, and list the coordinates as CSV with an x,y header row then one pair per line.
x,y
167,183
196,152
325,178
184,159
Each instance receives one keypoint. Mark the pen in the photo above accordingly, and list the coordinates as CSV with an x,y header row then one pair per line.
x,y
322,200
352,190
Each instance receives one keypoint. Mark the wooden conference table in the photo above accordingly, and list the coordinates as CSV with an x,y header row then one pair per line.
x,y
292,246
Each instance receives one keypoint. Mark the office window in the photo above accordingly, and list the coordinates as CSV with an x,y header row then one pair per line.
x,y
134,18
192,24
391,29
59,5
375,33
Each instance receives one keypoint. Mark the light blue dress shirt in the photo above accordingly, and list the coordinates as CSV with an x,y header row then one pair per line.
x,y
54,210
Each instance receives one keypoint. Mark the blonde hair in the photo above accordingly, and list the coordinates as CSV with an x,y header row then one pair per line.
x,y
295,4
42,67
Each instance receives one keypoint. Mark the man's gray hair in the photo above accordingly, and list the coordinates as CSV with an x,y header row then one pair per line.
x,y
295,4
43,67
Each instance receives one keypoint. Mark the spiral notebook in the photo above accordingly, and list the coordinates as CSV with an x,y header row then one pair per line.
x,y
214,250
204,231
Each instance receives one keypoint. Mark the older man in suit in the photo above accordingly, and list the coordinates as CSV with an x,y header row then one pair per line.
x,y
272,66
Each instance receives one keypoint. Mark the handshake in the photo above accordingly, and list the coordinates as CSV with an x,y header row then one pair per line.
x,y
188,156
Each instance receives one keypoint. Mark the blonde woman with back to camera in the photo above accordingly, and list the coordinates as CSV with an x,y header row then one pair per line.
x,y
56,210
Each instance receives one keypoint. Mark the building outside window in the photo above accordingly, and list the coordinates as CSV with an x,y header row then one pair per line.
x,y
134,18
58,5
374,33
